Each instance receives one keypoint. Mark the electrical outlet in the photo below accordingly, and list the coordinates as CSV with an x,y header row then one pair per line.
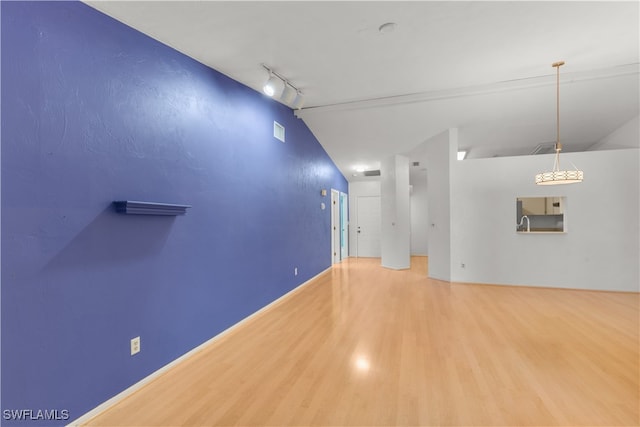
x,y
295,271
462,265
135,345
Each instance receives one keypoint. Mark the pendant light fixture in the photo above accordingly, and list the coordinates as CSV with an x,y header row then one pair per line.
x,y
557,176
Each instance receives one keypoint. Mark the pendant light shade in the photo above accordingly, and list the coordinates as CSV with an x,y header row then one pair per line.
x,y
557,176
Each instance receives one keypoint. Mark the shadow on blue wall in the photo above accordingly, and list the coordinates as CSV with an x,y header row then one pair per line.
x,y
113,238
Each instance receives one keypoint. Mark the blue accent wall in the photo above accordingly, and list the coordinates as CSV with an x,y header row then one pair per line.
x,y
94,111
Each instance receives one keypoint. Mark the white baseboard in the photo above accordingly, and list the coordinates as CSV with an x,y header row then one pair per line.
x,y
137,386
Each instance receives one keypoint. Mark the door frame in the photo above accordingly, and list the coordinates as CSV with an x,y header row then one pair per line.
x,y
344,225
336,255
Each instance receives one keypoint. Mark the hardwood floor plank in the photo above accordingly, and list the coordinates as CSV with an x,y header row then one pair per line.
x,y
368,346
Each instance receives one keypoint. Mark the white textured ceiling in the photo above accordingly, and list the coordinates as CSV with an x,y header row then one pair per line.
x,y
483,67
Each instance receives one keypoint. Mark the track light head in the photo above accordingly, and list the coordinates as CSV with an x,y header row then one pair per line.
x,y
270,86
287,94
298,101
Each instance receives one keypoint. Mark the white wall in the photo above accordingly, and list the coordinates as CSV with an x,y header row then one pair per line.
x,y
626,136
419,215
600,250
395,213
359,188
441,155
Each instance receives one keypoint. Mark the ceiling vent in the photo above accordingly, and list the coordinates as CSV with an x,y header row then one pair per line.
x,y
544,148
372,173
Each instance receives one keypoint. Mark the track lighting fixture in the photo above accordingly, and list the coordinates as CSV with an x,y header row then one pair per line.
x,y
278,85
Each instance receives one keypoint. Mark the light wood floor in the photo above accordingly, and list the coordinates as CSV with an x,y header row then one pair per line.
x,y
367,346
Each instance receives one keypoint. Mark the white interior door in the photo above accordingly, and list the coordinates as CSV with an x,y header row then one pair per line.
x,y
368,226
336,254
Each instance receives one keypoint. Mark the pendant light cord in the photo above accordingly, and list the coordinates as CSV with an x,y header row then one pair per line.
x,y
558,107
556,166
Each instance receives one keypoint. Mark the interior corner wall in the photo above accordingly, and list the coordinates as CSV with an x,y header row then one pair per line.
x,y
441,153
395,238
94,111
600,250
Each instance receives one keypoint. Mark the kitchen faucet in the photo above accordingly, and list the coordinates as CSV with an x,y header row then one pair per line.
x,y
528,223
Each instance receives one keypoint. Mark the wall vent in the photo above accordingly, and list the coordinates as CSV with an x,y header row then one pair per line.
x,y
278,131
372,173
416,164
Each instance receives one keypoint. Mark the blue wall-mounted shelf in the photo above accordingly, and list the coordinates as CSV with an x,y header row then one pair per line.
x,y
132,207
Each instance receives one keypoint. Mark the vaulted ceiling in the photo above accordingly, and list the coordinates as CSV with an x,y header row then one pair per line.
x,y
481,67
